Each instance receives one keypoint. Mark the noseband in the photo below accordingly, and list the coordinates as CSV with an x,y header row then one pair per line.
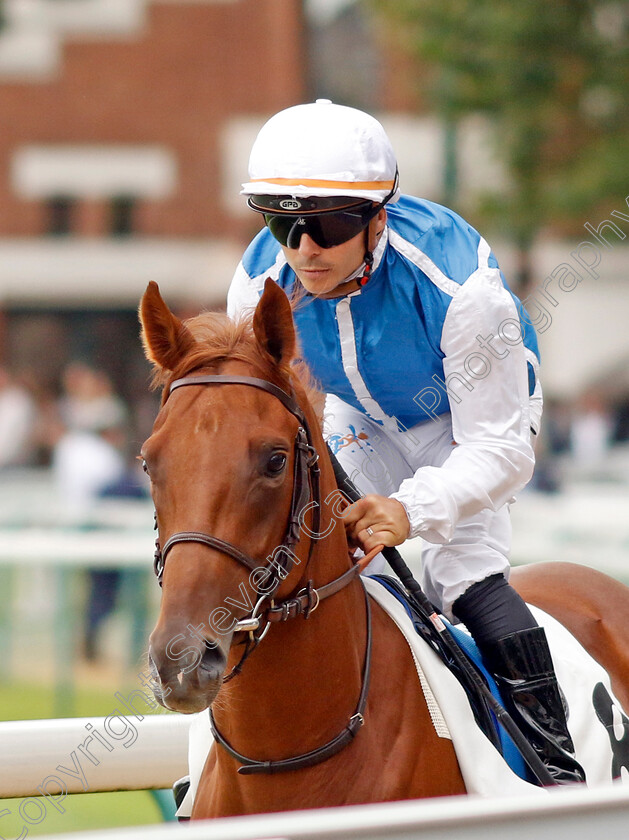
x,y
305,485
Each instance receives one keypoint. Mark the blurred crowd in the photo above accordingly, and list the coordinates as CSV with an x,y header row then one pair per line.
x,y
85,426
581,439
83,436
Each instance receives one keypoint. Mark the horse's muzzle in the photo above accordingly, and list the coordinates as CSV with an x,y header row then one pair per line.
x,y
187,678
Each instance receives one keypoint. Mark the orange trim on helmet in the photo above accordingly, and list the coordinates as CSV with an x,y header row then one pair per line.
x,y
313,182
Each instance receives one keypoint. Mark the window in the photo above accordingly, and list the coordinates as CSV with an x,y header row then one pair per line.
x,y
60,215
121,215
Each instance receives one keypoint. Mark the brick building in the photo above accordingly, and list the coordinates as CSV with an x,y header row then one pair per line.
x,y
124,129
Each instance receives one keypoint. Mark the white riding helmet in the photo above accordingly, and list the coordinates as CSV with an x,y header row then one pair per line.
x,y
322,149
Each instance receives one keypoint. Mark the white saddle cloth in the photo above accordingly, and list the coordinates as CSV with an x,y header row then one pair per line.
x,y
483,769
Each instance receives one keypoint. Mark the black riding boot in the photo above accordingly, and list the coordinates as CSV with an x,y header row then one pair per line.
x,y
516,651
523,667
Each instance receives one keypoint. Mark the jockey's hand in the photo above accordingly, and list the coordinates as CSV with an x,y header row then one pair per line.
x,y
385,517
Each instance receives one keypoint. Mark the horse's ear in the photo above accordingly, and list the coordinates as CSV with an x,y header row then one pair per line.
x,y
166,340
273,324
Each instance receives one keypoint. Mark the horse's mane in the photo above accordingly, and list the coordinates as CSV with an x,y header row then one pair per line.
x,y
219,338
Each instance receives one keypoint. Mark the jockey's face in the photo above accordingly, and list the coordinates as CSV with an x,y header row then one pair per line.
x,y
321,270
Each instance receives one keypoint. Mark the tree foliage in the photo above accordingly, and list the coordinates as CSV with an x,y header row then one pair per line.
x,y
552,75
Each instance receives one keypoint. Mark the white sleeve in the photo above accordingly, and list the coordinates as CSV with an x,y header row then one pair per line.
x,y
492,457
245,290
536,400
243,294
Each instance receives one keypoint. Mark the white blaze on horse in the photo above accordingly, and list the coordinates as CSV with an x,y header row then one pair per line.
x,y
263,615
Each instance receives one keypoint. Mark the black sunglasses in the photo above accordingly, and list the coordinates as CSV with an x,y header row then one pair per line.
x,y
326,229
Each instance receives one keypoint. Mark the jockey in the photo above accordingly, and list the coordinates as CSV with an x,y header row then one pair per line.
x,y
430,366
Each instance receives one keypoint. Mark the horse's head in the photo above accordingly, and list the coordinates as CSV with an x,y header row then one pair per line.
x,y
229,462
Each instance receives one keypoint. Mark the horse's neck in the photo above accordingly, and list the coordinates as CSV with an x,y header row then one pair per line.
x,y
301,685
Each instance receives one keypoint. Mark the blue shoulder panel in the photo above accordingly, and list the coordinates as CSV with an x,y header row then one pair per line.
x,y
261,253
446,239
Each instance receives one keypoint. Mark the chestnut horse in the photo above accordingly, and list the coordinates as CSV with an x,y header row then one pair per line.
x,y
250,541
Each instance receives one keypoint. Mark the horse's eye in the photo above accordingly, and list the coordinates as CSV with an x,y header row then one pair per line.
x,y
276,463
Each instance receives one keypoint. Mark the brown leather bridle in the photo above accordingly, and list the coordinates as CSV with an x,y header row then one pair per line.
x,y
306,475
305,485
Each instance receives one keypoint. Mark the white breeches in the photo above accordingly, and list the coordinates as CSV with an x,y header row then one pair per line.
x,y
378,460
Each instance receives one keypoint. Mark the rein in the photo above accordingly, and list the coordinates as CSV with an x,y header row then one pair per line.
x,y
251,766
306,476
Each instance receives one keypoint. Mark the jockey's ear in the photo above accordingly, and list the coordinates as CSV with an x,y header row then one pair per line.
x,y
166,340
273,324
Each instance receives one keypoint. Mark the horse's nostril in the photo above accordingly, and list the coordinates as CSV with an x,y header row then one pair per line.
x,y
212,661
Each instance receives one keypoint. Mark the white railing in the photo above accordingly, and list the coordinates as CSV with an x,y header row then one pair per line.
x,y
133,752
563,815
52,758
127,750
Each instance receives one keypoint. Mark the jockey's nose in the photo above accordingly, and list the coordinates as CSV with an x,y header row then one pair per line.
x,y
307,246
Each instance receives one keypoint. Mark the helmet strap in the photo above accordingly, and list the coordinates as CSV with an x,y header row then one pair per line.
x,y
364,278
370,245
